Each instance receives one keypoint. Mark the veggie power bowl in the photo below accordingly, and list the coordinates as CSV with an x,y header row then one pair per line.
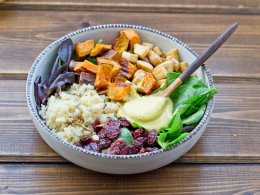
x,y
84,93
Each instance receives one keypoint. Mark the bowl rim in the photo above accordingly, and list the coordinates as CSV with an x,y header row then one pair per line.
x,y
53,135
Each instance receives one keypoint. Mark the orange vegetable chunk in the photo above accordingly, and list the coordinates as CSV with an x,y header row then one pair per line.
x,y
121,43
133,37
100,49
83,49
119,91
104,76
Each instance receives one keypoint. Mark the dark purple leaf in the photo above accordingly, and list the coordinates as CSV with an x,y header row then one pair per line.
x,y
60,82
65,51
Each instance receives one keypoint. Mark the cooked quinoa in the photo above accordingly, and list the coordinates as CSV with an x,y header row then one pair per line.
x,y
71,113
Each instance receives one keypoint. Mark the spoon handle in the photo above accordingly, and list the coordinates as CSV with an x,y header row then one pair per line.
x,y
200,60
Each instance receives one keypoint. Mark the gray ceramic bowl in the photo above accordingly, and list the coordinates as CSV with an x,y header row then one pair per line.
x,y
115,164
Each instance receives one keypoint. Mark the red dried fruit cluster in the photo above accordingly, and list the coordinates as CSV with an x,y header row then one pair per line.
x,y
144,141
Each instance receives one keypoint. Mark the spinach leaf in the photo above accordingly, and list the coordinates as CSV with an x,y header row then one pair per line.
x,y
195,118
136,125
126,135
92,59
189,104
190,96
169,136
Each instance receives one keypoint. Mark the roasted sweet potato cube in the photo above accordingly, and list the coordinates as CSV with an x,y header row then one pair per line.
x,y
119,78
112,54
86,78
100,49
116,66
121,43
128,70
147,84
86,66
89,67
79,67
102,60
119,91
133,37
83,49
104,76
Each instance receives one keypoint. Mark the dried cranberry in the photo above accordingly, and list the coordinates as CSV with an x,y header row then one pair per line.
x,y
125,150
151,149
96,126
124,122
116,146
137,133
111,128
139,142
101,134
92,146
103,143
85,141
77,144
151,137
132,150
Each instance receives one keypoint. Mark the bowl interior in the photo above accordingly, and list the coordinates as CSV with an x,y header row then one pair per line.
x,y
108,33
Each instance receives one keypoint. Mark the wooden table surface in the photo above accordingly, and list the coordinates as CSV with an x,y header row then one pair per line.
x,y
224,161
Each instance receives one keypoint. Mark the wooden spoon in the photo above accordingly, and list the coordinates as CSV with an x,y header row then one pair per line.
x,y
199,61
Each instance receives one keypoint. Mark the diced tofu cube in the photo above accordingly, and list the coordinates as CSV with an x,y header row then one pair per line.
x,y
160,71
158,51
144,65
150,45
130,57
121,43
183,66
133,37
175,54
127,69
141,50
138,76
146,59
147,84
119,91
154,58
85,48
104,76
176,65
162,82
